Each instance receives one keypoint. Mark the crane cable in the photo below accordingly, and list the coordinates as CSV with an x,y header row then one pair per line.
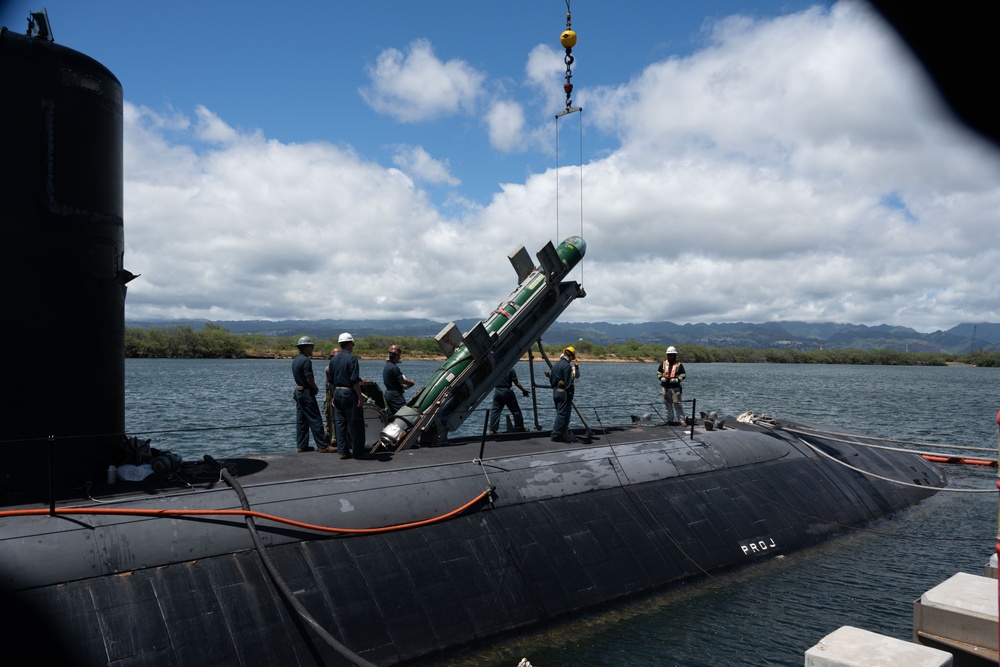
x,y
568,40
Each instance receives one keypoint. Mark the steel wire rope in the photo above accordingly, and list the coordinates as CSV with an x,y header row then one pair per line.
x,y
545,409
798,432
485,474
580,110
901,442
582,262
798,436
279,580
557,175
794,510
558,116
467,414
156,432
876,475
752,491
214,428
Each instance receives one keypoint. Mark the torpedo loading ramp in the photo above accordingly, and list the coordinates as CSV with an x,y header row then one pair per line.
x,y
478,360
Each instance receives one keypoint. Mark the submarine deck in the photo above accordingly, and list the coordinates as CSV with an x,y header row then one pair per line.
x,y
468,448
687,450
288,466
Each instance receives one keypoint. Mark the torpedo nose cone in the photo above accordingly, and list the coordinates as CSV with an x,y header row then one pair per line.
x,y
578,243
572,250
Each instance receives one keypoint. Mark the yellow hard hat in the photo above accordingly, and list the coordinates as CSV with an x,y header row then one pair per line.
x,y
571,350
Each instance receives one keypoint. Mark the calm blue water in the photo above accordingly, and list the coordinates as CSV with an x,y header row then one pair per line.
x,y
765,615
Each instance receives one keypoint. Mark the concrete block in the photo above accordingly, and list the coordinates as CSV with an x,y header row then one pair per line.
x,y
853,647
960,612
962,609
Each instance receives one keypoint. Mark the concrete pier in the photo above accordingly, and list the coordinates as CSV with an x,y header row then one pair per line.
x,y
959,614
853,647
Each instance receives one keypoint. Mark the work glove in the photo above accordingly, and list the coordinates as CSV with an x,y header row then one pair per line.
x,y
525,392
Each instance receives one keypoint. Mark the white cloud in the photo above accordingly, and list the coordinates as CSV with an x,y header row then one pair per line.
x,y
760,178
417,86
508,127
260,229
417,162
505,121
212,129
750,177
547,65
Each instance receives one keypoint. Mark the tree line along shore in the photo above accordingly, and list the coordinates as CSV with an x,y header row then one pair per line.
x,y
216,342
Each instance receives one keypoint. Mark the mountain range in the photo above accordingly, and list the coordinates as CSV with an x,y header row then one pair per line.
x,y
961,339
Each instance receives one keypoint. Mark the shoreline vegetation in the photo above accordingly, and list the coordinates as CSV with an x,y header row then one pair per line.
x,y
216,342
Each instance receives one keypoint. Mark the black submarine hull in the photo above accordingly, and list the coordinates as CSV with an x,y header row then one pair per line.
x,y
565,530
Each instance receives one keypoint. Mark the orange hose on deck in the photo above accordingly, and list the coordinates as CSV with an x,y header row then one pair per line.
x,y
258,515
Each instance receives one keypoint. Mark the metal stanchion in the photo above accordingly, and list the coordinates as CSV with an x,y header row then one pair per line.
x,y
482,442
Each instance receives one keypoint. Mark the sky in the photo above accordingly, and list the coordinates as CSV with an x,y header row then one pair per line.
x,y
734,161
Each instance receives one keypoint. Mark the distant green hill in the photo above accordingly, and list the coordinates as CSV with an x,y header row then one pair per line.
x,y
961,339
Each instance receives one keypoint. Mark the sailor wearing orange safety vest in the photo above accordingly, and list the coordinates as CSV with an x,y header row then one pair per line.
x,y
671,374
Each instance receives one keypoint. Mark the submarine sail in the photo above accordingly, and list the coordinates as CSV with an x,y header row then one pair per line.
x,y
61,266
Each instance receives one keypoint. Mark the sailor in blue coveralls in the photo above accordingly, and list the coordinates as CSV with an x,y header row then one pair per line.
x,y
348,400
395,382
503,396
561,378
307,417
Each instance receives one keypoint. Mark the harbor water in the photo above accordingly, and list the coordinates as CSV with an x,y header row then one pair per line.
x,y
767,614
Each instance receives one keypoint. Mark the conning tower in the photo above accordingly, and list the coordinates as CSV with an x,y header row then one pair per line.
x,y
62,254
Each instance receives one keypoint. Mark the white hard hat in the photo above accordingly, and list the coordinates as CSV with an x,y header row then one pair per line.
x,y
305,340
671,350
345,338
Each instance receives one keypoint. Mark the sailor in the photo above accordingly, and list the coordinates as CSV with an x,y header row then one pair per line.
x,y
561,377
307,417
671,374
347,400
331,431
503,396
576,364
395,382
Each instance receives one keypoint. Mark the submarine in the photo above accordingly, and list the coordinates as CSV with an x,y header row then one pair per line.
x,y
265,560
